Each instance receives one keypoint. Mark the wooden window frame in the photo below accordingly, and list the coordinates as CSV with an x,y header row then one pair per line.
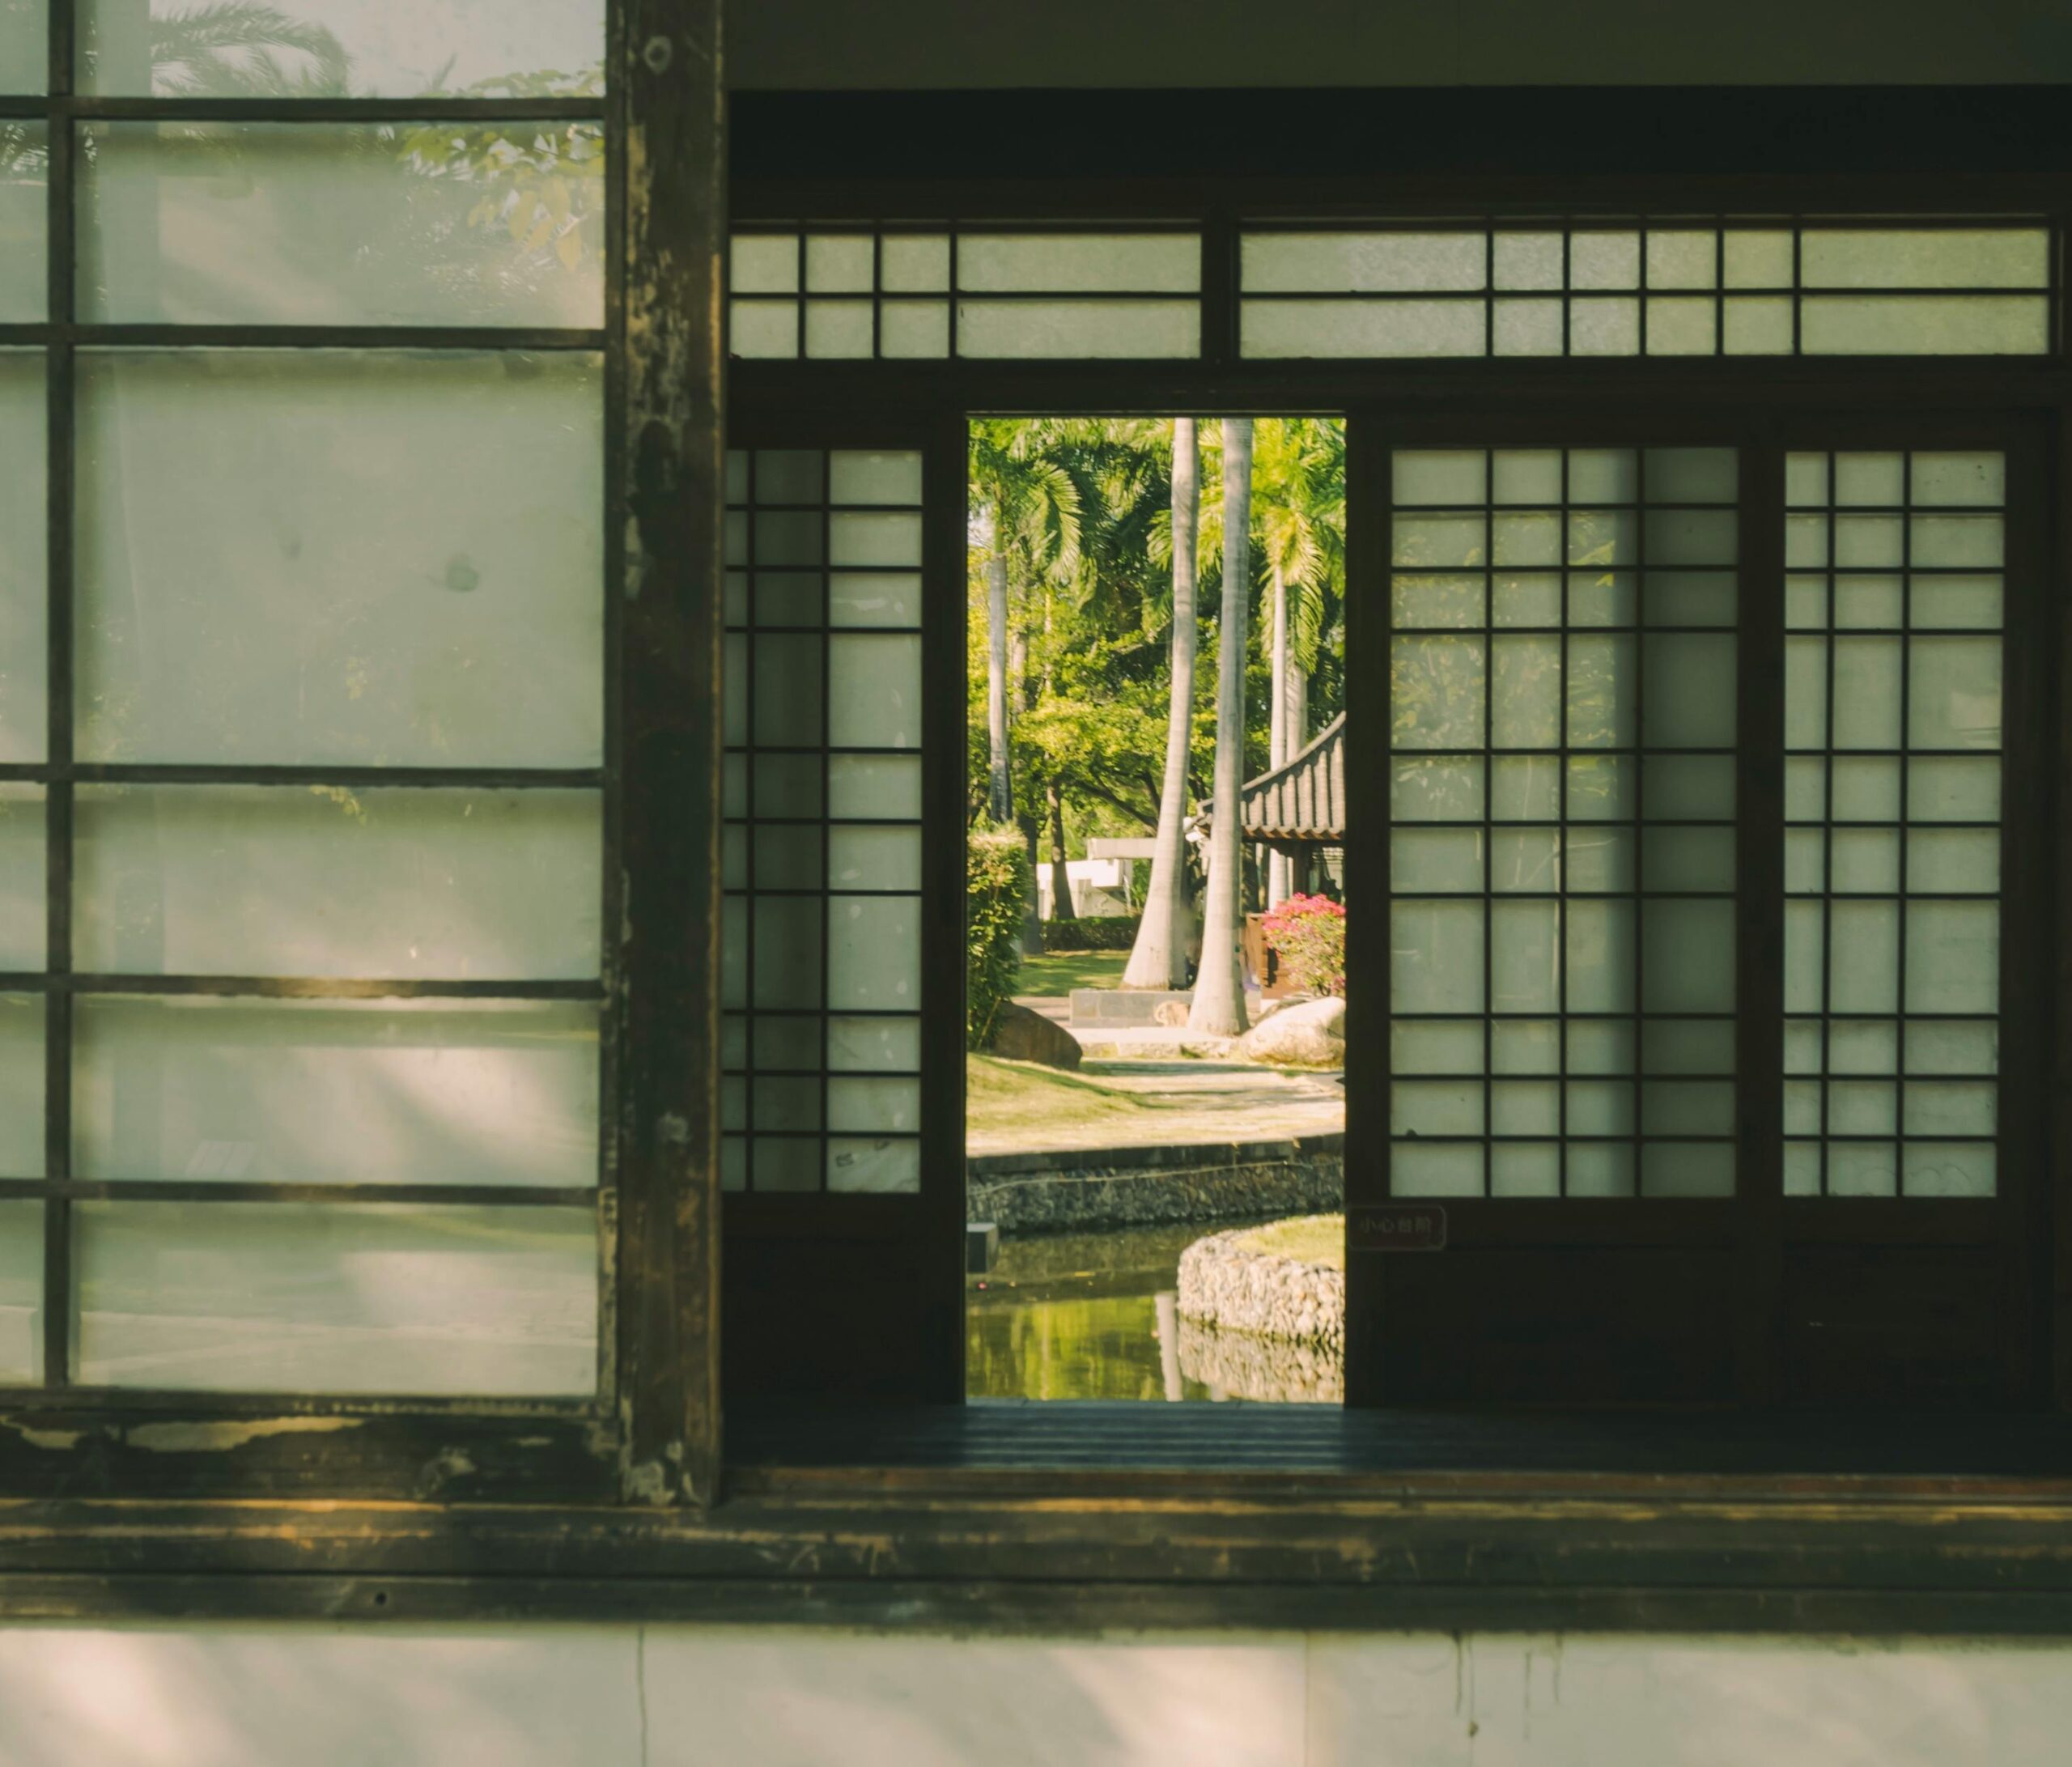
x,y
471,1512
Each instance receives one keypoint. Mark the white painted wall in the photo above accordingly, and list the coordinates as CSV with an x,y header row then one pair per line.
x,y
683,1697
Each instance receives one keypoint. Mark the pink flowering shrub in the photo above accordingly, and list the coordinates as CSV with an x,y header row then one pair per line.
x,y
1307,934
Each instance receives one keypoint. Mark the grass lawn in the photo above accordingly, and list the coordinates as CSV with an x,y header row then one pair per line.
x,y
1000,1096
1057,973
1311,1238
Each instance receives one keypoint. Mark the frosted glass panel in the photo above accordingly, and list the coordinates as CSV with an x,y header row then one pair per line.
x,y
1887,904
876,786
325,557
1555,930
832,982
1308,263
341,49
24,46
21,1085
1914,325
857,1163
22,912
21,1294
306,1092
759,330
873,1045
1281,329
343,224
1095,262
24,200
858,477
1089,329
874,957
24,590
259,880
874,858
874,692
1926,257
1462,292
274,1297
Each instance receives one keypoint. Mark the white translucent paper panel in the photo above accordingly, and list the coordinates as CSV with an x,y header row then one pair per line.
x,y
343,49
324,556
1344,263
23,910
1358,328
326,882
1926,257
1925,325
1091,327
1108,263
347,224
24,588
21,1294
346,1092
21,1085
24,212
303,1298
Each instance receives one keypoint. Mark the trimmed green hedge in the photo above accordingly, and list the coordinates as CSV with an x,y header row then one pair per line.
x,y
997,883
1104,933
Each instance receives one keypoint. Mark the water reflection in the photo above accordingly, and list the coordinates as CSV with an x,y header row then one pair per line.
x,y
1093,1316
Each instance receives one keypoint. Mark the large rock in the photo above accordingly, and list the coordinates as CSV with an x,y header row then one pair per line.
x,y
1310,1035
1020,1035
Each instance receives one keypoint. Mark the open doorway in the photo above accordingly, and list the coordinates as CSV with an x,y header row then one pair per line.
x,y
1155,1100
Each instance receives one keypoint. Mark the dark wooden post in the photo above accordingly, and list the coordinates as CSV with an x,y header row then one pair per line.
x,y
664,942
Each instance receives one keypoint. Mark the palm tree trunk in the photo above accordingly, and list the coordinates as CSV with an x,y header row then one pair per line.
x,y
1159,958
1061,901
1218,1002
1298,739
1031,824
1000,801
1279,747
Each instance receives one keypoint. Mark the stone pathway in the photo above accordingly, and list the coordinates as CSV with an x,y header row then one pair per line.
x,y
1193,1101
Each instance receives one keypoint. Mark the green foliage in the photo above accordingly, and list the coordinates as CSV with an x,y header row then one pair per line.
x,y
233,49
541,184
1081,509
997,888
1307,934
1102,933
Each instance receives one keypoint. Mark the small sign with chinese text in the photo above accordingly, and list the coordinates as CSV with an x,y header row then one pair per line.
x,y
1397,1227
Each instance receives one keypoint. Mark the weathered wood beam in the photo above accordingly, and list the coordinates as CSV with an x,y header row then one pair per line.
x,y
664,962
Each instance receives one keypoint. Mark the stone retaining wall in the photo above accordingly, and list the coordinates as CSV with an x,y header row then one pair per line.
x,y
1226,1283
1145,1187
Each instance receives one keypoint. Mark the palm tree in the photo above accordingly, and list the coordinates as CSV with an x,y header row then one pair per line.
x,y
1300,507
1159,958
234,49
1219,1001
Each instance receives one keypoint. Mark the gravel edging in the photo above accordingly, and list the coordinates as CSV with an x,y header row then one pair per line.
x,y
1225,1284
